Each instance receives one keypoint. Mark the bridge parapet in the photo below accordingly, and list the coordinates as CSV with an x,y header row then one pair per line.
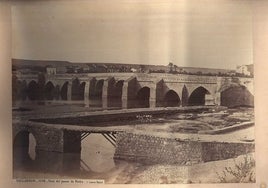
x,y
96,75
192,79
178,78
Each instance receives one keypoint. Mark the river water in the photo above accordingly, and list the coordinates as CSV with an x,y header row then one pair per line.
x,y
96,153
96,158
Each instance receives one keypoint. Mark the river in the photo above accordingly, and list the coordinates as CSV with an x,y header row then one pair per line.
x,y
96,158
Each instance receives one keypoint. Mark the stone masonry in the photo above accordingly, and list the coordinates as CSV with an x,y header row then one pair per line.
x,y
153,150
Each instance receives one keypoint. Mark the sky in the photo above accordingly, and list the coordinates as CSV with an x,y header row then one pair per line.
x,y
203,33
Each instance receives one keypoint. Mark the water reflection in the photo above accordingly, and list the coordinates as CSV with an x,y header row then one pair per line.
x,y
96,157
97,153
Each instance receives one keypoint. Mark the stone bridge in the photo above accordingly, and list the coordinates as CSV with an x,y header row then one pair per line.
x,y
130,90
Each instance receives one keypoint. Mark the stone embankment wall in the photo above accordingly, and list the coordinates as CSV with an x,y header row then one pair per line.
x,y
48,138
152,150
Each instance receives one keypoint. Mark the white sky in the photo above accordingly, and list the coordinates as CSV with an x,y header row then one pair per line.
x,y
199,33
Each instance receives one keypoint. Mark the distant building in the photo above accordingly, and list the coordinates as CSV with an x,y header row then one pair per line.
x,y
61,69
245,70
51,70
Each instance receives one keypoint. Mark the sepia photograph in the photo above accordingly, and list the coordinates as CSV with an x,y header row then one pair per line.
x,y
133,92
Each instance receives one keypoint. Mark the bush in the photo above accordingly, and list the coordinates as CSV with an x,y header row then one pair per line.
x,y
243,172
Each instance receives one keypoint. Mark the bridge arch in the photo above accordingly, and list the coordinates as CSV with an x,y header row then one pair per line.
x,y
224,87
78,89
198,96
98,89
115,98
142,97
118,88
24,148
49,91
92,85
64,90
82,90
57,92
33,90
236,95
171,99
